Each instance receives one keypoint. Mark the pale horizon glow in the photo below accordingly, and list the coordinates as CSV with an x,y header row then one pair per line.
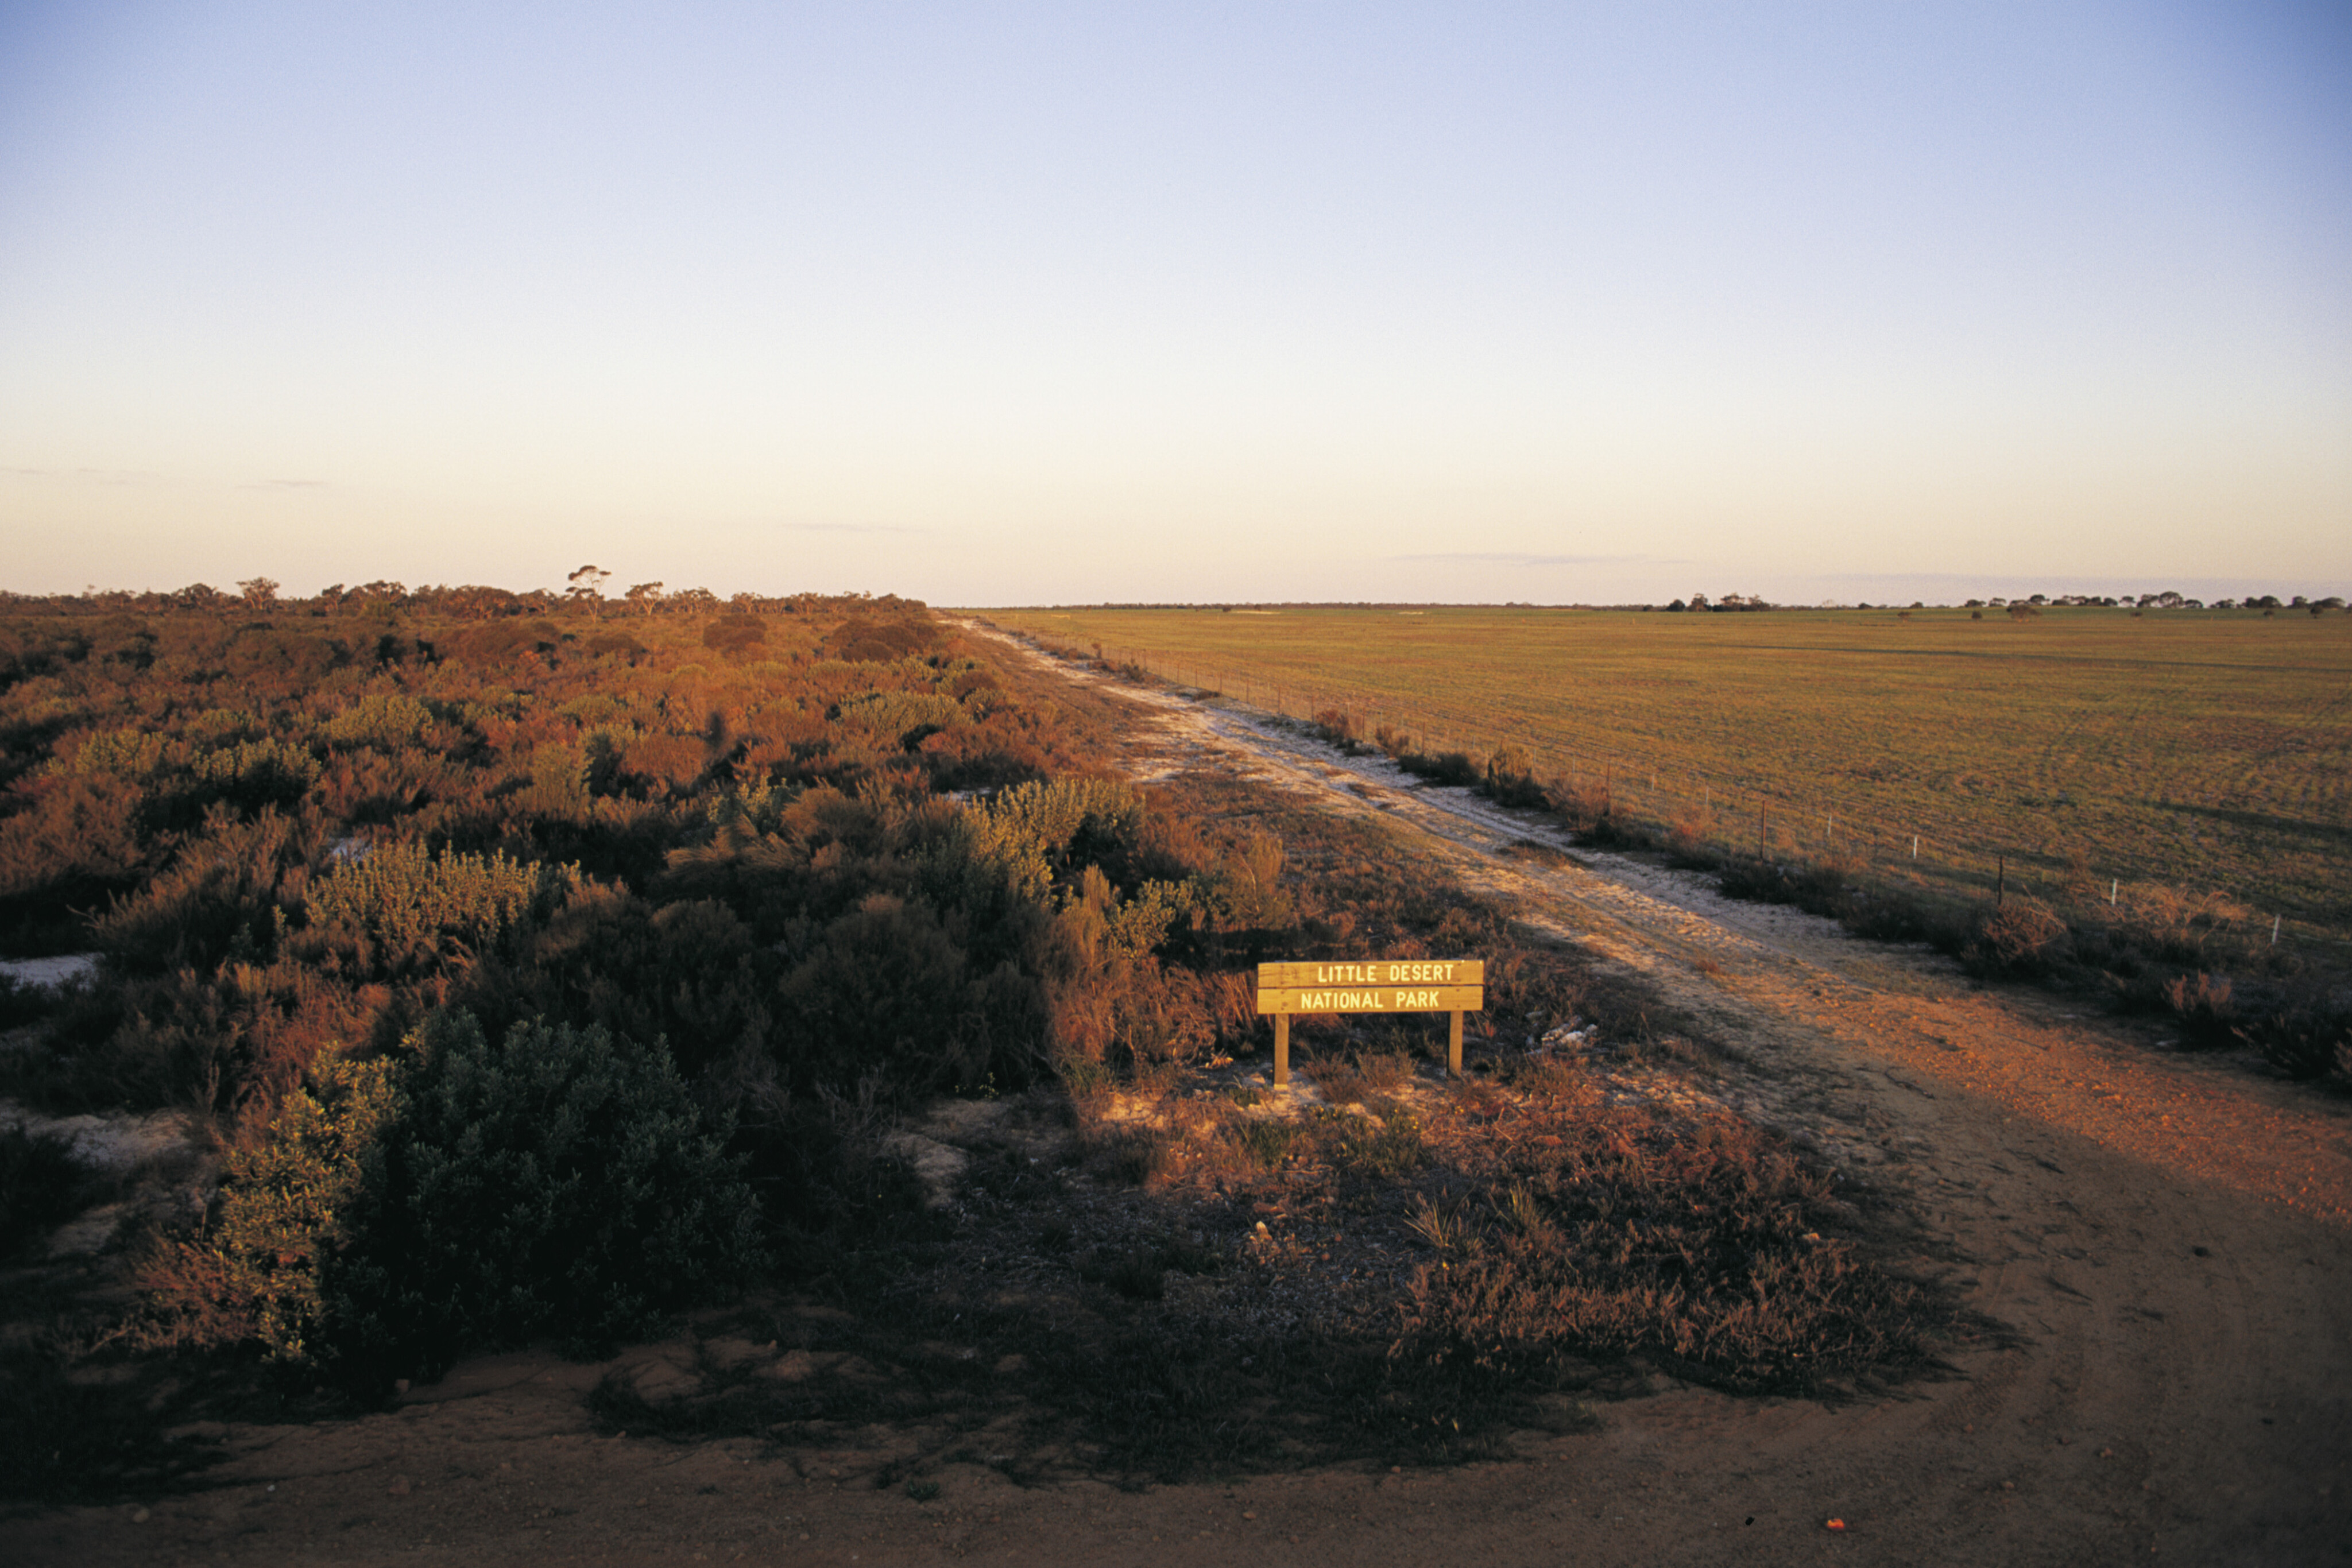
x,y
1069,304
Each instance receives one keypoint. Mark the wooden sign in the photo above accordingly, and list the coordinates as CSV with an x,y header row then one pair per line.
x,y
1452,986
1373,972
1373,999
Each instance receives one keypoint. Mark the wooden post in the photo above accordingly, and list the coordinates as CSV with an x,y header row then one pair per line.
x,y
1281,1049
2001,882
1454,1045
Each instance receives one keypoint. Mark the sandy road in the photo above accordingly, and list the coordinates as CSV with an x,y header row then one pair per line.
x,y
2167,1236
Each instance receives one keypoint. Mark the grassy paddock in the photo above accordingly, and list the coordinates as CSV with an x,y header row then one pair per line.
x,y
2208,749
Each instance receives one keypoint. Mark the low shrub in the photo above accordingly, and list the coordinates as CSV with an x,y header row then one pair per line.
x,y
1455,767
1341,727
2303,1040
2021,936
2204,1005
734,635
555,1183
2175,925
281,1216
1698,1252
1687,840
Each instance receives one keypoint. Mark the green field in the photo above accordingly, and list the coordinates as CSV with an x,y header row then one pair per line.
x,y
2205,750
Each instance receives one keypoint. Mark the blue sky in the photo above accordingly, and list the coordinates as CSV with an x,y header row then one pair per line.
x,y
1025,303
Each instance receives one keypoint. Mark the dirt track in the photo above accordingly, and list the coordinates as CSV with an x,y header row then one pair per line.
x,y
2167,1235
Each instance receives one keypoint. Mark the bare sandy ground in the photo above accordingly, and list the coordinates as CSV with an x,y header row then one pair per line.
x,y
2167,1235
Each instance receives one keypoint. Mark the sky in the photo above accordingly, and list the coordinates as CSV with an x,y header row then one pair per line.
x,y
1008,304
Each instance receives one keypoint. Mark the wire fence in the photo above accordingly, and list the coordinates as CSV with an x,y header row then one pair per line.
x,y
1726,814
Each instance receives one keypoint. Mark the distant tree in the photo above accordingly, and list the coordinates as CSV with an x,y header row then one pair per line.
x,y
587,589
1678,604
1699,601
260,595
648,594
199,596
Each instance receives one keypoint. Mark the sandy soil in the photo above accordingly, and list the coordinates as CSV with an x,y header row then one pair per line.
x,y
2167,1236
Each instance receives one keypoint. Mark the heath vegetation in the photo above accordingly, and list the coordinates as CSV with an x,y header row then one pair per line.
x,y
537,969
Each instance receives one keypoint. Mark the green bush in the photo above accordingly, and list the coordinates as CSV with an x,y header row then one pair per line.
x,y
887,989
556,1184
1030,831
385,720
403,910
254,1273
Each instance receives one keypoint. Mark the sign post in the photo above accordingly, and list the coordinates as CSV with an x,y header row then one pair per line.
x,y
1453,986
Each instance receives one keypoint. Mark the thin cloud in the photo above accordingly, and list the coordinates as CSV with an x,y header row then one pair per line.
x,y
117,475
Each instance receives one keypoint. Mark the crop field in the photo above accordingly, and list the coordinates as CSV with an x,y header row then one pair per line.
x,y
2205,751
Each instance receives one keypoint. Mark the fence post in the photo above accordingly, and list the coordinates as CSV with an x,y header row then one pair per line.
x,y
2000,882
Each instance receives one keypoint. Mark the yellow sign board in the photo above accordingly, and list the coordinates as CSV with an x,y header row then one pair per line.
x,y
1372,1000
1361,972
1453,986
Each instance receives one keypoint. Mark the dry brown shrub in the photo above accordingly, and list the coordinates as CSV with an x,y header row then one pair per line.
x,y
2175,923
1557,1079
2202,1002
1340,1082
1686,838
2022,937
1231,1001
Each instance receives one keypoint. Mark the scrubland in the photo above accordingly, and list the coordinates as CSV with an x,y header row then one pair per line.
x,y
535,978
